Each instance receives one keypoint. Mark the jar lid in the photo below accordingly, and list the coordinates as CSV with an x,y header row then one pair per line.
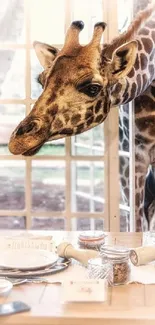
x,y
114,252
91,236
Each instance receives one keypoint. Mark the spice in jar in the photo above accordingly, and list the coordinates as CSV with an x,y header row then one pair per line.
x,y
91,240
119,259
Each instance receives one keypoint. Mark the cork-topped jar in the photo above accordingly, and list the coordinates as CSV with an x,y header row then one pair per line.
x,y
91,240
120,261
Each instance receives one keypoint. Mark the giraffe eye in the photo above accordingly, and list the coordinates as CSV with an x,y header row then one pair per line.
x,y
91,90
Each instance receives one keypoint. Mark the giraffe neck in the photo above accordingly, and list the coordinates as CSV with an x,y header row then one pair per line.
x,y
143,72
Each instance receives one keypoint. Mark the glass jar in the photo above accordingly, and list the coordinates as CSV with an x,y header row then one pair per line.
x,y
118,257
91,240
98,269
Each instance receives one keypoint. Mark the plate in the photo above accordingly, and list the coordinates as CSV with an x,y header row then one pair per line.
x,y
5,287
57,267
27,259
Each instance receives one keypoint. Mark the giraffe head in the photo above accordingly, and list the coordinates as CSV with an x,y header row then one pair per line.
x,y
76,85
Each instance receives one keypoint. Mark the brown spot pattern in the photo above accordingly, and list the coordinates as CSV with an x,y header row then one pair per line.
x,y
141,181
153,91
148,123
53,110
144,77
139,169
126,191
151,24
126,97
90,120
148,45
123,182
127,172
153,35
57,124
118,88
99,118
139,158
143,61
138,83
133,90
80,127
152,55
98,106
151,70
144,31
139,45
66,117
61,92
88,114
137,63
106,106
140,139
51,99
145,102
131,73
137,199
67,131
75,119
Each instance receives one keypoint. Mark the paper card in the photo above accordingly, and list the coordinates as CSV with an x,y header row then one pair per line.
x,y
15,243
87,290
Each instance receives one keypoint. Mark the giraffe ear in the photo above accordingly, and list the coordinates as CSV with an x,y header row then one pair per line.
x,y
45,53
123,59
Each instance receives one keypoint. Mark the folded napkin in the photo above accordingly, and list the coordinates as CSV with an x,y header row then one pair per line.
x,y
144,274
28,241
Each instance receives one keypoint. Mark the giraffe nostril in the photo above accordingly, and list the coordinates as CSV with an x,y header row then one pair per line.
x,y
25,129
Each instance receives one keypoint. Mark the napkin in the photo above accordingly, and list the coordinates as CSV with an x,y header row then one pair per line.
x,y
144,274
28,241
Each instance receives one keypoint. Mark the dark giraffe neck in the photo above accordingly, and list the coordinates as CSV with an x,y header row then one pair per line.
x,y
143,72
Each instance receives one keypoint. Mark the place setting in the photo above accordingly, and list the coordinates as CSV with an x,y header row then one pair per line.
x,y
28,265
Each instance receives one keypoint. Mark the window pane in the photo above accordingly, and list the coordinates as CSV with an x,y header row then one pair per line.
x,y
87,186
89,143
55,148
124,9
47,223
48,24
124,220
87,224
124,180
12,222
124,128
36,69
10,116
12,183
12,74
48,185
12,21
90,11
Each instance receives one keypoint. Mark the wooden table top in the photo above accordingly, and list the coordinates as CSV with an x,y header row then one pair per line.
x,y
126,304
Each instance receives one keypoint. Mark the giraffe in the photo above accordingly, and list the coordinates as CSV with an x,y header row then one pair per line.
x,y
82,83
149,191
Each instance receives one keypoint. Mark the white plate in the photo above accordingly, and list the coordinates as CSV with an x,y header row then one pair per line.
x,y
5,287
27,259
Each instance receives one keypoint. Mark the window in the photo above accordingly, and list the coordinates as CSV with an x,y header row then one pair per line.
x,y
71,183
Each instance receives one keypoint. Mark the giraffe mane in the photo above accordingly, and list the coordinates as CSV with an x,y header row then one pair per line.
x,y
131,32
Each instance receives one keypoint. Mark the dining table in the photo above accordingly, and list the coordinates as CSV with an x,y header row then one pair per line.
x,y
126,304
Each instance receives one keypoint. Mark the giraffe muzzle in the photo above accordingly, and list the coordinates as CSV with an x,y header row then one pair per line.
x,y
28,137
26,128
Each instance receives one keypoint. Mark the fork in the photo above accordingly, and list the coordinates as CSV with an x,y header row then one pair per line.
x,y
42,280
38,280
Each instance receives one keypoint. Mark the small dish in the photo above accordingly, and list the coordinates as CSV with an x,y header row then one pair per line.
x,y
5,287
